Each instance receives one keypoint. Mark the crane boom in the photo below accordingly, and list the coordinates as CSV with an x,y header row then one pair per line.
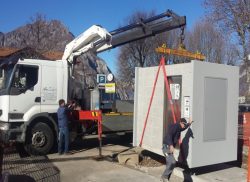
x,y
99,39
145,28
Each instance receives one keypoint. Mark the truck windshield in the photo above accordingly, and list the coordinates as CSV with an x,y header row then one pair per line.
x,y
5,77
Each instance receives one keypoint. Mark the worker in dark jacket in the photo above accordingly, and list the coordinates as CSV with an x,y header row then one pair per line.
x,y
169,143
62,114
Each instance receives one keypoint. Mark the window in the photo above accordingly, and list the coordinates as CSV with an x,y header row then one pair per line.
x,y
25,78
5,75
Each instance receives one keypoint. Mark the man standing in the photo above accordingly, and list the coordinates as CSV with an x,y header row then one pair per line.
x,y
62,114
169,143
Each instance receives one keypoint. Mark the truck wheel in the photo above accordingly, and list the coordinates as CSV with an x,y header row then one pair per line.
x,y
40,139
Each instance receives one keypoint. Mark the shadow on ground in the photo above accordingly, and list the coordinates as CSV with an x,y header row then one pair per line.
x,y
28,169
91,142
110,139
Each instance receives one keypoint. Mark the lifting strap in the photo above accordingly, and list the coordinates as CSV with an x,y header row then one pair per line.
x,y
161,65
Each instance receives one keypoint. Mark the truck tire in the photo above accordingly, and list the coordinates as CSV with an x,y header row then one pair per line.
x,y
40,139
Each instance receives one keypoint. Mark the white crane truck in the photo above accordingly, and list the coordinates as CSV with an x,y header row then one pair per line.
x,y
31,88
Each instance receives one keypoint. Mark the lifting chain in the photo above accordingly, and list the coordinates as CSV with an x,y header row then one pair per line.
x,y
182,37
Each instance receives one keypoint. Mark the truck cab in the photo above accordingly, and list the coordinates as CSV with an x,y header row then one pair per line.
x,y
29,92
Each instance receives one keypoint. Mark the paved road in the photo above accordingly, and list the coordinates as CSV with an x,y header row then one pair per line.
x,y
85,166
82,166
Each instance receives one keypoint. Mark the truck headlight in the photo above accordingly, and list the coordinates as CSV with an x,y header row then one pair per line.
x,y
4,126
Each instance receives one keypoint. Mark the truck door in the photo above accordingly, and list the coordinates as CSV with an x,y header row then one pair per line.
x,y
25,94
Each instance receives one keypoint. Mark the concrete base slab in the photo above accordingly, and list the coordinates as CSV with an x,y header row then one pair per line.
x,y
228,174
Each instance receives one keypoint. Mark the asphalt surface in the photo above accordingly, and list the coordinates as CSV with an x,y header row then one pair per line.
x,y
84,165
28,169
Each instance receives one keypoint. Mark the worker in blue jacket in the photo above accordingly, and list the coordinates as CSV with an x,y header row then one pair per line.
x,y
63,137
169,142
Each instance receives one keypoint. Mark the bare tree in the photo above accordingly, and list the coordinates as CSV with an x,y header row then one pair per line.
x,y
40,34
233,18
126,66
135,54
38,28
206,39
139,50
232,54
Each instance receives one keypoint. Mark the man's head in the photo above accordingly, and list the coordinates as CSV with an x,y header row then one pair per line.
x,y
61,103
183,122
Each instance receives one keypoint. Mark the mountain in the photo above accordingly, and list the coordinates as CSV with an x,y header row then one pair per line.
x,y
42,35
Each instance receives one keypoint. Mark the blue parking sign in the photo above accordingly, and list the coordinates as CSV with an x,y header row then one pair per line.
x,y
101,78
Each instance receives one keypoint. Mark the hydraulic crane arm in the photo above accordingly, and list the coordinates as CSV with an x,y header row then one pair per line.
x,y
98,39
92,39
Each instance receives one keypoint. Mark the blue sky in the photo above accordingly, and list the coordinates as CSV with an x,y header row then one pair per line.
x,y
80,15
